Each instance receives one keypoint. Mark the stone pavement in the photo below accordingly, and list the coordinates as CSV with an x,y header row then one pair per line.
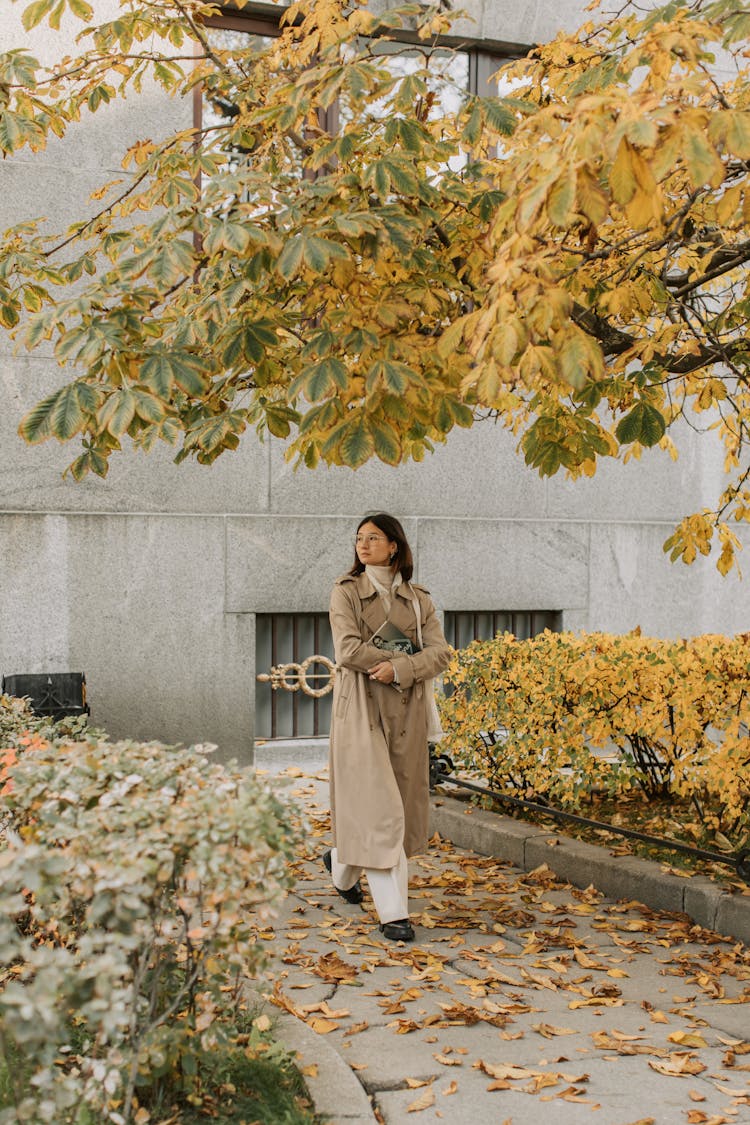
x,y
523,999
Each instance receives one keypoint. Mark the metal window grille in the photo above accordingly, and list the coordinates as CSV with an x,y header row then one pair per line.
x,y
285,638
463,628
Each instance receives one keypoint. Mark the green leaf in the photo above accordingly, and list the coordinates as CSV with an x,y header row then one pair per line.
x,y
402,176
321,379
317,252
379,177
462,415
386,442
66,418
487,203
249,343
290,258
158,374
472,130
36,424
148,407
117,412
35,13
644,424
189,376
279,419
357,444
174,261
163,369
498,115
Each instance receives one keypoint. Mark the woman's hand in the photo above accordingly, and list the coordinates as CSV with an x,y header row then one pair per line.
x,y
383,672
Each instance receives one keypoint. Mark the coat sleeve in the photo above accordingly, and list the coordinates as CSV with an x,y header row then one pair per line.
x,y
349,648
436,652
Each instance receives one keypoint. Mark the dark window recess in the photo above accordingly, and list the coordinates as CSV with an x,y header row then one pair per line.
x,y
463,628
286,638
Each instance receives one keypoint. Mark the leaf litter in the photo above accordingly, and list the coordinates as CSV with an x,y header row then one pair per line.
x,y
500,949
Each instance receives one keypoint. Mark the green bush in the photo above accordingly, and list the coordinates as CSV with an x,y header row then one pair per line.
x,y
133,880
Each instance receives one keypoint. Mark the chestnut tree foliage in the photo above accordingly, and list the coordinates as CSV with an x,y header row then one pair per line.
x,y
568,259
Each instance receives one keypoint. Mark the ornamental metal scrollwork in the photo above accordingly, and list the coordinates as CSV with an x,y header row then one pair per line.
x,y
293,676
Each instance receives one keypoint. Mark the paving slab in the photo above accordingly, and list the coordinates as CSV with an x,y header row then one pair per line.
x,y
524,998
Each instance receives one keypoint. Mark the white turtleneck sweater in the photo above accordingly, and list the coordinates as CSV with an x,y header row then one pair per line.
x,y
385,582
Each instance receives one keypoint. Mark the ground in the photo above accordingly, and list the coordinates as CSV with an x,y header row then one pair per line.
x,y
521,996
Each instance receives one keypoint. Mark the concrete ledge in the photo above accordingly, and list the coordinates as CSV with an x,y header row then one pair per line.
x,y
620,877
336,1092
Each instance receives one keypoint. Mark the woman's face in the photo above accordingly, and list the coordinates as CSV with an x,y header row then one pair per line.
x,y
374,548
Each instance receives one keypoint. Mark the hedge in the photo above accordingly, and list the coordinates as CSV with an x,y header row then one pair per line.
x,y
562,715
134,878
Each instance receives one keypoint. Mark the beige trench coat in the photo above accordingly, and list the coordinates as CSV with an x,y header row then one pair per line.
x,y
379,762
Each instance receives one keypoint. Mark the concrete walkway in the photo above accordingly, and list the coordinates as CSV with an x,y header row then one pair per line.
x,y
523,999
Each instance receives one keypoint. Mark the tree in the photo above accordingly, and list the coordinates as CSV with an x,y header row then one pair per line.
x,y
567,260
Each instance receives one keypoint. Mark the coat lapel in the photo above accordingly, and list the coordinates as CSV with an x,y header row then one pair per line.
x,y
373,610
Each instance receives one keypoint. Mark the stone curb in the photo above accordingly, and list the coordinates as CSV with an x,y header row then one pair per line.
x,y
336,1092
337,1095
620,877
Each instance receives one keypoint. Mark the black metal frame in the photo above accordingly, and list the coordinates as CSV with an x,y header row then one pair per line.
x,y
441,767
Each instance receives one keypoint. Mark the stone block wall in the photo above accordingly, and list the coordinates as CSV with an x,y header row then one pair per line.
x,y
150,581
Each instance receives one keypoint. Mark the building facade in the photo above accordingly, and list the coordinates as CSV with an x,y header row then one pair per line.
x,y
173,587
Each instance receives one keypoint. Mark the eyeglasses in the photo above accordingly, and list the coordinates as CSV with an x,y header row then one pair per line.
x,y
362,539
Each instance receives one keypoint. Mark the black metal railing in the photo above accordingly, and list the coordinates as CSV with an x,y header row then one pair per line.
x,y
441,773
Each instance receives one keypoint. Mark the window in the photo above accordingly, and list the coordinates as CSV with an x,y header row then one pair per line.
x,y
457,68
291,639
463,628
286,638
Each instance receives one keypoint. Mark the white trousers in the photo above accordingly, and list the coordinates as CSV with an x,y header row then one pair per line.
x,y
389,886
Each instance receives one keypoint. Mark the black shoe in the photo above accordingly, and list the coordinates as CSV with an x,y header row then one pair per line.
x,y
401,930
354,895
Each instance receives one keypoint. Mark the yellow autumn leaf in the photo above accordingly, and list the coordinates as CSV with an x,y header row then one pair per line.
x,y
423,1102
322,1026
687,1039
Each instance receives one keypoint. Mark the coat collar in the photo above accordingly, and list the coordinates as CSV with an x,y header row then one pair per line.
x,y
373,614
365,588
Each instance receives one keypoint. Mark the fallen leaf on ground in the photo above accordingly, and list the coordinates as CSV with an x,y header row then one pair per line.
x,y
678,1066
687,1039
444,1060
548,1030
423,1102
322,1026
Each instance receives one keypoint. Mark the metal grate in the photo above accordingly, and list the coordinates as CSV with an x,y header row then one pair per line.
x,y
463,628
283,638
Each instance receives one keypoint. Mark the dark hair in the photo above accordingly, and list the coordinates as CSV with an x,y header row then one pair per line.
x,y
390,526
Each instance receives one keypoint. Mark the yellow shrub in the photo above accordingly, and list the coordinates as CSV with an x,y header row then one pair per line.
x,y
562,714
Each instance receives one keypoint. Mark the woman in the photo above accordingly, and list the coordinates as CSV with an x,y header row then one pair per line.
x,y
379,761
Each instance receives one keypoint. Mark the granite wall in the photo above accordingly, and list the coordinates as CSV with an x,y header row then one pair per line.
x,y
150,580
